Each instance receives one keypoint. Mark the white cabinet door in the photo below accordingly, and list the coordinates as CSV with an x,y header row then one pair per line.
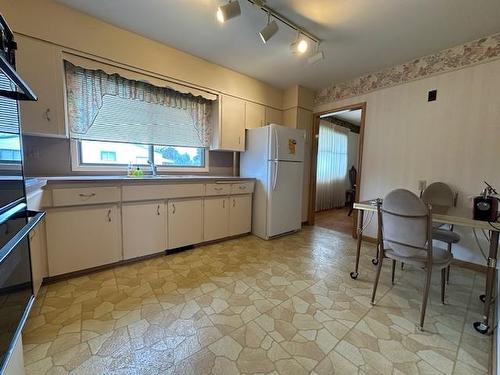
x,y
184,222
255,115
82,237
38,251
240,214
273,116
215,218
144,228
40,65
232,124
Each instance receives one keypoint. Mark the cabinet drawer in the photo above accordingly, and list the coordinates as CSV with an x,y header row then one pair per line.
x,y
155,191
242,188
217,189
85,196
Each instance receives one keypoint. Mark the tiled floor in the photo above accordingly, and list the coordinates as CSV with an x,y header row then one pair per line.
x,y
286,306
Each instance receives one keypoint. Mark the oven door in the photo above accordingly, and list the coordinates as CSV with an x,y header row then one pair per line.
x,y
16,287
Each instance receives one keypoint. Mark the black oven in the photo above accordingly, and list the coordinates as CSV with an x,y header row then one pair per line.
x,y
16,221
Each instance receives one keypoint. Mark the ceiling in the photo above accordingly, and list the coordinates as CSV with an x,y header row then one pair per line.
x,y
358,36
352,117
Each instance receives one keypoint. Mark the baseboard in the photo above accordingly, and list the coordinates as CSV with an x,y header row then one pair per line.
x,y
471,266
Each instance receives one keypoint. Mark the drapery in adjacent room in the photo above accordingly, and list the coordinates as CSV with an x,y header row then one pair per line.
x,y
166,116
332,168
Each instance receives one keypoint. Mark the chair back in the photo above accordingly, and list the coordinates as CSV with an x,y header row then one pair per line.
x,y
405,224
440,195
352,176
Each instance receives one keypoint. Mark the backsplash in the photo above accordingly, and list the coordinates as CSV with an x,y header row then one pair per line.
x,y
47,156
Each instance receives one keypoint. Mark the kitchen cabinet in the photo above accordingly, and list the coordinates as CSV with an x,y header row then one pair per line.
x,y
240,214
38,253
229,130
144,228
255,115
82,237
273,116
184,222
215,218
40,65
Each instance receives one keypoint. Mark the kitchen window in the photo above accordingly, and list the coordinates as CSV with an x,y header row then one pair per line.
x,y
114,121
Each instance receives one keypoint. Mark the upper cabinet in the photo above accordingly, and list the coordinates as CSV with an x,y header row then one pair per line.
x,y
273,116
229,129
40,65
255,115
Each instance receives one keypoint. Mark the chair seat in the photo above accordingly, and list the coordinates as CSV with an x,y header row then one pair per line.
x,y
440,258
445,235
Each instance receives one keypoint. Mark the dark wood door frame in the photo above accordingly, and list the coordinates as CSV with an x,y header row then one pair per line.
x,y
314,160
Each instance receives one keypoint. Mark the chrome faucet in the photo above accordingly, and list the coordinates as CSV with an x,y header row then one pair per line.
x,y
153,167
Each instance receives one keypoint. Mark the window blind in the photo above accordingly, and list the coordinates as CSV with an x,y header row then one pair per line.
x,y
9,114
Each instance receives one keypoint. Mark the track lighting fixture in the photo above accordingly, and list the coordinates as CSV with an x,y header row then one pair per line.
x,y
271,28
227,11
317,56
300,45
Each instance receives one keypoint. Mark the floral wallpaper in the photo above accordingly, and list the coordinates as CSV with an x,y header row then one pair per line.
x,y
470,53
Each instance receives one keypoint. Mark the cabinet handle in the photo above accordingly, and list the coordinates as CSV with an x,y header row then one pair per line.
x,y
217,188
223,203
242,187
239,140
158,210
109,216
173,206
47,112
87,195
234,202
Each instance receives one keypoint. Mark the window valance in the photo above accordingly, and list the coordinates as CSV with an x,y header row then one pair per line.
x,y
109,107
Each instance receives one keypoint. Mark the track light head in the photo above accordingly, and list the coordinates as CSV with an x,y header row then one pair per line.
x,y
318,56
299,46
227,11
268,32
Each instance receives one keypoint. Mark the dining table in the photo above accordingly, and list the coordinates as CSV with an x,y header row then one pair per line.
x,y
453,216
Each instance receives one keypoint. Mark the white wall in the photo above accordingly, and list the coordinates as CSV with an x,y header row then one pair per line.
x,y
455,139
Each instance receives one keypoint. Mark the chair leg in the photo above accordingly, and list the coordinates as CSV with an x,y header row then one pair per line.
x,y
443,284
427,287
393,271
377,277
448,268
402,265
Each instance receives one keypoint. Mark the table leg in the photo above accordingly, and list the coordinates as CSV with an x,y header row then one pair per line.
x,y
483,327
361,214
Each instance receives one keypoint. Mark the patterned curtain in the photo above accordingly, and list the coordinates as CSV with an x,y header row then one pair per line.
x,y
331,172
85,89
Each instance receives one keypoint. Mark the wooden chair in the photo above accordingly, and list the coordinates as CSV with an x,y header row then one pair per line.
x,y
350,194
405,235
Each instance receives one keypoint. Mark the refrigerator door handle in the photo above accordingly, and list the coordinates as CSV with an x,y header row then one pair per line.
x,y
276,143
275,176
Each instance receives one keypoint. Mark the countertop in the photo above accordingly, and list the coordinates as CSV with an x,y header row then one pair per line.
x,y
143,179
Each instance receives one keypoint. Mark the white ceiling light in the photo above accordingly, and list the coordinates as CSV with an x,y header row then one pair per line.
x,y
300,45
228,11
271,28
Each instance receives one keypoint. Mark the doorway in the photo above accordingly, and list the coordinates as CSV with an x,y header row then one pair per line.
x,y
336,167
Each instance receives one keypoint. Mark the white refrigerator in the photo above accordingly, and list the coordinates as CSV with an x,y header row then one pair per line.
x,y
274,156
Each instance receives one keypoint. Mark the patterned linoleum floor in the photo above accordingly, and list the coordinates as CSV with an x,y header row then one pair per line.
x,y
248,306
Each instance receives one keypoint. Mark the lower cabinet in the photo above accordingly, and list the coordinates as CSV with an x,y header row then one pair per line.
x,y
184,222
240,214
144,228
215,218
38,251
82,237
